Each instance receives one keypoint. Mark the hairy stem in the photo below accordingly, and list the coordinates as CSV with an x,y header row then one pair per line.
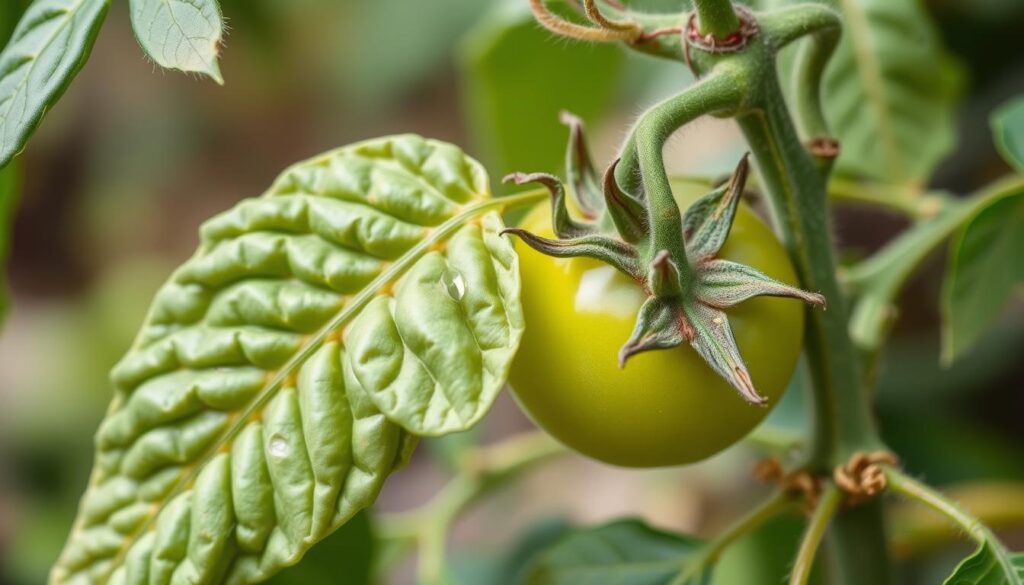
x,y
716,18
814,534
843,423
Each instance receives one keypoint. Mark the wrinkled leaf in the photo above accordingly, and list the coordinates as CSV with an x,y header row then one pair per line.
x,y
891,91
8,201
517,77
985,268
1008,131
50,44
180,34
625,551
989,565
263,402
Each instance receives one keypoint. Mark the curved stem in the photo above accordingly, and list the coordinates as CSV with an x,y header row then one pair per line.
x,y
915,490
716,18
481,471
814,533
880,278
909,203
642,166
775,505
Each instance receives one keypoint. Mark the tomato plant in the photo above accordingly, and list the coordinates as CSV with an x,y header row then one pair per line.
x,y
580,311
381,295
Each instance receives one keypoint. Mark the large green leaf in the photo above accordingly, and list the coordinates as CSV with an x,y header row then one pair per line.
x,y
50,44
625,551
275,383
1008,131
518,76
8,201
989,565
890,91
985,268
180,34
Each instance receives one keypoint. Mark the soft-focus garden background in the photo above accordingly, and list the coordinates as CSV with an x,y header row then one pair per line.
x,y
113,187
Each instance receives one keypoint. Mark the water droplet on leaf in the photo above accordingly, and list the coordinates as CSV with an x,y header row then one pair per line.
x,y
279,446
454,283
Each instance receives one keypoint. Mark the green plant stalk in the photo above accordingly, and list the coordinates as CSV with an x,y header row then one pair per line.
x,y
915,490
481,471
813,535
842,422
716,18
775,505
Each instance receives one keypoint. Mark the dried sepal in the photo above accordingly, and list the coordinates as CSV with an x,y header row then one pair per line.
x,y
724,284
660,324
608,250
580,173
626,212
707,222
562,223
713,340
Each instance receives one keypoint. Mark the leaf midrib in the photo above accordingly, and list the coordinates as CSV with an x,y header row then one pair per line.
x,y
71,13
870,75
350,310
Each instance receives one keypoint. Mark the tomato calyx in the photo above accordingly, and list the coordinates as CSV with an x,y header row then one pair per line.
x,y
688,287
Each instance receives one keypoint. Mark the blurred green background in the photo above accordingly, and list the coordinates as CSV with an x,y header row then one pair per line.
x,y
114,185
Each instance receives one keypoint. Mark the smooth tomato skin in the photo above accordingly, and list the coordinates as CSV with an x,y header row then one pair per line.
x,y
665,407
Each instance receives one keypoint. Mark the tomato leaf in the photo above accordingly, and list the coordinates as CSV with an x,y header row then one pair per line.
x,y
8,201
255,412
1008,130
50,44
989,565
985,268
890,91
625,551
180,34
517,77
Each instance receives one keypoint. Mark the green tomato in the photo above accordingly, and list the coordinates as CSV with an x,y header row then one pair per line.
x,y
665,407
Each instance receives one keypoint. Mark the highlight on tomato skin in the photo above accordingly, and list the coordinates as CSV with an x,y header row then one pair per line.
x,y
665,407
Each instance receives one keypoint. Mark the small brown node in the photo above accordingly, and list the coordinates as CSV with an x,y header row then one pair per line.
x,y
800,482
863,477
728,44
824,147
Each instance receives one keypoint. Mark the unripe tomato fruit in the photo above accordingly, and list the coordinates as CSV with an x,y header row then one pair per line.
x,y
666,407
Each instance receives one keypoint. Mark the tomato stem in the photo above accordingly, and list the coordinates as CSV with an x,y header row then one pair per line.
x,y
813,535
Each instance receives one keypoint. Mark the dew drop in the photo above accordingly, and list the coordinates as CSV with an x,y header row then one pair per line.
x,y
279,446
454,283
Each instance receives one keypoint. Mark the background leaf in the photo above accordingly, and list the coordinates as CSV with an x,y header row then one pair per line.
x,y
8,202
985,268
625,551
48,47
244,410
1008,131
890,91
989,565
180,34
349,552
517,76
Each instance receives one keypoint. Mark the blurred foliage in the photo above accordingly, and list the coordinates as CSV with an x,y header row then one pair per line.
x,y
517,78
349,552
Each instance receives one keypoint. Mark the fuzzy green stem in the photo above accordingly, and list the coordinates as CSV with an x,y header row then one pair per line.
x,y
813,535
843,422
716,18
643,168
777,504
915,490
